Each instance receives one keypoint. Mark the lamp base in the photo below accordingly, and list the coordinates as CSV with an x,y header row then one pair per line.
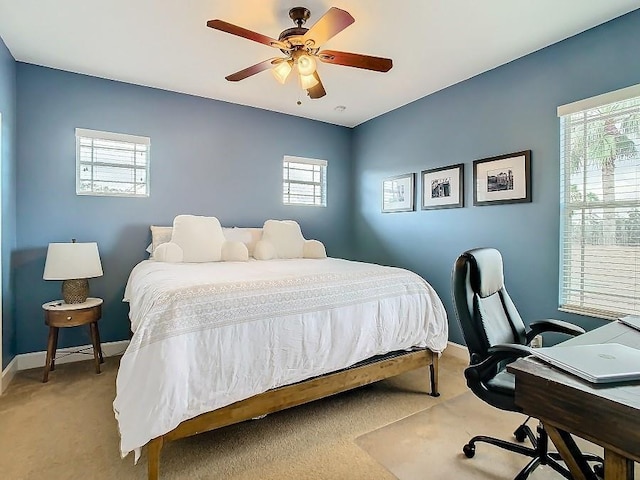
x,y
75,291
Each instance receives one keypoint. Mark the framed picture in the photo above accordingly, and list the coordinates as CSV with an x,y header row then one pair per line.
x,y
443,187
397,193
502,179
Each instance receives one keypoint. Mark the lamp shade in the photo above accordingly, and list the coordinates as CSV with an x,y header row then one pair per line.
x,y
308,81
306,65
66,261
281,71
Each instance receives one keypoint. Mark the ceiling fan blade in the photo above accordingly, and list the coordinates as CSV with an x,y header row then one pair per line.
x,y
356,60
329,25
244,33
253,69
317,91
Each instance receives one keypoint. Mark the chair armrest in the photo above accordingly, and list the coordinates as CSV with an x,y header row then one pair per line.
x,y
497,354
551,325
510,350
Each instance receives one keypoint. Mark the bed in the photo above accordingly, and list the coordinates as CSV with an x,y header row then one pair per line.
x,y
215,343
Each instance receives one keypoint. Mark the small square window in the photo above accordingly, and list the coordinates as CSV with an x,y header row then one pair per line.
x,y
304,181
111,164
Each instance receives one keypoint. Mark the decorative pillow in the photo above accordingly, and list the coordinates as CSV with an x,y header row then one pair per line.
x,y
168,252
159,235
285,236
234,252
256,236
264,251
200,238
314,249
248,236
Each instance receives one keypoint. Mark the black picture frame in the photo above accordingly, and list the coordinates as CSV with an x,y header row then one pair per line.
x,y
442,187
398,193
502,179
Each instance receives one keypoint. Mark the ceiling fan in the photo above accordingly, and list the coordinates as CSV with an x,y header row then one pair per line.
x,y
301,47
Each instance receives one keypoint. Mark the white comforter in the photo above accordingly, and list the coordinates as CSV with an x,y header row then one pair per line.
x,y
210,334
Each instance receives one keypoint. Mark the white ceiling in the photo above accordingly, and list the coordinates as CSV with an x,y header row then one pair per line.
x,y
166,44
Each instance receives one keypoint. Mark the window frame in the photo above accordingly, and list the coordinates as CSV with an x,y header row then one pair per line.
x,y
594,302
323,183
135,140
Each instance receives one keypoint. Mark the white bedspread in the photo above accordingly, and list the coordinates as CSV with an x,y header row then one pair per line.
x,y
210,334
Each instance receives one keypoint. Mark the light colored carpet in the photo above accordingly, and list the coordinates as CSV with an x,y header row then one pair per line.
x,y
65,429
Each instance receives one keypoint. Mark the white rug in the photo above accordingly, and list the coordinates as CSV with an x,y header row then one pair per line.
x,y
426,445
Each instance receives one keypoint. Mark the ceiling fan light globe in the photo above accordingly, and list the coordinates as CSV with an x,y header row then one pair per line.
x,y
308,81
281,71
306,65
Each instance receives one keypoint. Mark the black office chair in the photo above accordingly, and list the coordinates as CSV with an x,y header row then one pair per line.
x,y
495,336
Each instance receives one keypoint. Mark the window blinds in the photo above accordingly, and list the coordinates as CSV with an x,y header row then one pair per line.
x,y
600,205
304,181
111,164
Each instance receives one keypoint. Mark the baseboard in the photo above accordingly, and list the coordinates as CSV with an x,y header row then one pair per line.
x,y
8,374
458,351
26,361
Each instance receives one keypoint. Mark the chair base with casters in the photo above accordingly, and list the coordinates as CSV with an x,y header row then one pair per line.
x,y
540,454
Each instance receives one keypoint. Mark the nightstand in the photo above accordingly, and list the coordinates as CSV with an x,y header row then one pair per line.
x,y
58,315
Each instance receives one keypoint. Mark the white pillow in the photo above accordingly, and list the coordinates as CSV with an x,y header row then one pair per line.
x,y
314,249
159,235
256,236
234,252
168,252
200,238
264,251
248,236
285,236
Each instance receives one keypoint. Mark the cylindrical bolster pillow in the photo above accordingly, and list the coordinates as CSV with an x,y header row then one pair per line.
x,y
264,250
314,249
168,252
234,252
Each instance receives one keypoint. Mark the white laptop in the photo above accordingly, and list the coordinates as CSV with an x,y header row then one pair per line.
x,y
600,363
632,321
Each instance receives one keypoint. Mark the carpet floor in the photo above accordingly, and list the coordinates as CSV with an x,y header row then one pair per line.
x,y
65,429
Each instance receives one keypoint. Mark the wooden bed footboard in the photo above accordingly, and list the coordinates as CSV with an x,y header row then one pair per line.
x,y
296,394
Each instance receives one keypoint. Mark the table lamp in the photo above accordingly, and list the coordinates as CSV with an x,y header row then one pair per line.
x,y
73,263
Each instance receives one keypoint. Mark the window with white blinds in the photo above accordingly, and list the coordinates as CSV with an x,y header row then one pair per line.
x,y
304,181
111,164
600,205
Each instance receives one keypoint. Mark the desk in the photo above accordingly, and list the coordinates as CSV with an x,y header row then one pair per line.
x,y
607,416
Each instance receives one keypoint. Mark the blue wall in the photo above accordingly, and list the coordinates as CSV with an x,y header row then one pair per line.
x,y
7,168
215,158
508,109
207,158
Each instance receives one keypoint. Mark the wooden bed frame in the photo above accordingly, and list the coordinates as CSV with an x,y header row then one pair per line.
x,y
296,394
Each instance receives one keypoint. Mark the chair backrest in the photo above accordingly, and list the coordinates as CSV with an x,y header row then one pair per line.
x,y
485,312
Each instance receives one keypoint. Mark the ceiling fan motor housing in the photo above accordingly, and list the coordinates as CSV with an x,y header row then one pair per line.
x,y
290,34
293,36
